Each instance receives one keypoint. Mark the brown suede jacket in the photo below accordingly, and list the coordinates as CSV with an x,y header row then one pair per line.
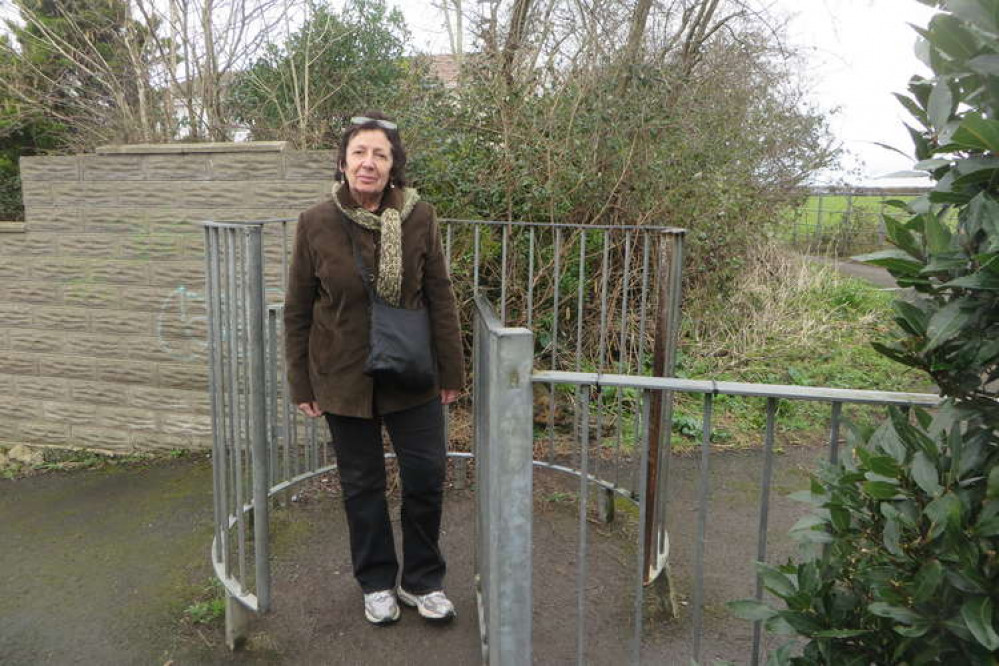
x,y
326,309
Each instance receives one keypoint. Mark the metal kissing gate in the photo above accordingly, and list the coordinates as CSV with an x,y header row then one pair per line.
x,y
262,447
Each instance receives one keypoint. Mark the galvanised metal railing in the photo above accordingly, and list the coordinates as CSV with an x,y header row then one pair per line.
x,y
262,446
502,395
588,450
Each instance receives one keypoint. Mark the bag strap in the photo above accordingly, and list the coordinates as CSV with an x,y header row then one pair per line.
x,y
362,269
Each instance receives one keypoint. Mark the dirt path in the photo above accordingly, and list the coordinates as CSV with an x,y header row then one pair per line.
x,y
97,567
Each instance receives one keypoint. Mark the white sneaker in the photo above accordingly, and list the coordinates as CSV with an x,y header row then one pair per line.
x,y
381,607
433,606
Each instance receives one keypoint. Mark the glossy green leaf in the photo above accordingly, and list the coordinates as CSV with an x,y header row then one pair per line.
x,y
924,473
976,12
880,490
985,64
940,105
886,439
981,213
931,164
977,133
946,323
927,580
977,616
840,633
775,580
936,234
943,512
896,261
948,34
897,613
986,281
992,488
751,609
913,319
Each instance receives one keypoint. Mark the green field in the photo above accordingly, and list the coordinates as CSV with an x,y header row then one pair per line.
x,y
839,224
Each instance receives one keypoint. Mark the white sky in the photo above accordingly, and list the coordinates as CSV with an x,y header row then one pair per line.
x,y
858,52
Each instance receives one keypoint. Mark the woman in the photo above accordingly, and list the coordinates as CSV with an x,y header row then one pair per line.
x,y
326,345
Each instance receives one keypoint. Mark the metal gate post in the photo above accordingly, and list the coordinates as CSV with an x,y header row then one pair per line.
x,y
504,463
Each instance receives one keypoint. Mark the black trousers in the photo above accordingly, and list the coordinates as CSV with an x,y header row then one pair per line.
x,y
417,436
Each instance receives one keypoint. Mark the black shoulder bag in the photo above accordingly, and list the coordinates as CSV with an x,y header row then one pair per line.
x,y
401,343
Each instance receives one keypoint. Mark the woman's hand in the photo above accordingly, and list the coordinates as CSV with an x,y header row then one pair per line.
x,y
310,409
449,395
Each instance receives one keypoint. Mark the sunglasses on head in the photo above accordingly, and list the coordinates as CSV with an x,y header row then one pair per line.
x,y
384,124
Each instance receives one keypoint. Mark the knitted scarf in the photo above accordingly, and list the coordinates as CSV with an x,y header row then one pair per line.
x,y
389,225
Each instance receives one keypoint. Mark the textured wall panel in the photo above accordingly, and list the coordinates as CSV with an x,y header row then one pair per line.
x,y
42,388
175,400
183,375
14,363
45,432
101,438
176,167
263,166
310,165
50,168
115,221
43,293
92,295
49,219
122,322
102,246
121,272
112,167
59,318
15,315
37,340
83,194
127,372
68,367
100,393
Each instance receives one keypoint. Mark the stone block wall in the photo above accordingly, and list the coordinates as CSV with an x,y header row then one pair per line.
x,y
102,317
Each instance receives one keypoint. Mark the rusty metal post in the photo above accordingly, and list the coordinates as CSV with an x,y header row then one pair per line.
x,y
668,288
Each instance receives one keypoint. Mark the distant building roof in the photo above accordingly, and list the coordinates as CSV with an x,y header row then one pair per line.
x,y
445,67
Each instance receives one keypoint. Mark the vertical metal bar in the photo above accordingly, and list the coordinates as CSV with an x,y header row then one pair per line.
x,y
661,416
584,484
503,272
643,507
622,356
672,336
640,351
288,416
602,351
837,410
552,396
313,446
702,525
272,396
604,267
216,387
643,303
235,422
579,298
475,259
258,409
530,277
581,275
284,256
761,541
242,280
